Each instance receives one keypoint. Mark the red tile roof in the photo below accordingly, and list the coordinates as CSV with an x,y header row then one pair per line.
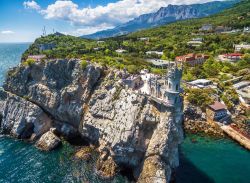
x,y
233,55
217,106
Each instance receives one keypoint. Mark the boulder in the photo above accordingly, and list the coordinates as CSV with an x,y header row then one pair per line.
x,y
48,141
107,168
84,153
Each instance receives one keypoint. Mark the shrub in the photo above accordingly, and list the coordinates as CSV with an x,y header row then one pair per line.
x,y
84,64
29,62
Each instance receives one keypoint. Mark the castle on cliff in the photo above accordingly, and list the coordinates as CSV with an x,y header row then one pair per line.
x,y
166,88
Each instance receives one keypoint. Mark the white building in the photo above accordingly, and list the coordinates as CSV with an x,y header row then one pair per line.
x,y
202,83
239,47
160,63
246,29
160,53
194,43
143,39
243,90
120,51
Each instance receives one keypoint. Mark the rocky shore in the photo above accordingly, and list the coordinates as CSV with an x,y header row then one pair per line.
x,y
51,100
202,127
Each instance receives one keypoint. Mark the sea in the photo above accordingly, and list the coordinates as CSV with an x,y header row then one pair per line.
x,y
202,159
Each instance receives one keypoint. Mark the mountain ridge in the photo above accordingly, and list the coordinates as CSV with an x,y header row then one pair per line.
x,y
164,15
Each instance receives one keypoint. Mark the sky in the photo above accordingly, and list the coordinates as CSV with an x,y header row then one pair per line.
x,y
23,20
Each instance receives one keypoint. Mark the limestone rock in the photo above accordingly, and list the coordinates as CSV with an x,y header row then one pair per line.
x,y
155,171
48,141
84,153
106,168
60,87
92,103
22,118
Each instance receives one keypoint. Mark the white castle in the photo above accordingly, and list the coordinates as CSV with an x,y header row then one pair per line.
x,y
165,89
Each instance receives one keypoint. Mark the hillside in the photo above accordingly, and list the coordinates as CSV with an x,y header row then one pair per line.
x,y
165,15
171,39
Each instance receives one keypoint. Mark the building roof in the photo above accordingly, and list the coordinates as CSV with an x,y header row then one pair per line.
x,y
200,81
233,55
121,51
37,57
191,57
241,84
217,106
159,62
154,52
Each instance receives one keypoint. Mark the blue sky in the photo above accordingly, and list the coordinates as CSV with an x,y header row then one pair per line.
x,y
23,20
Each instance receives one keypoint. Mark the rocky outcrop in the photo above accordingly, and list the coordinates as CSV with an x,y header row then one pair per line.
x,y
48,141
84,153
22,118
132,130
60,87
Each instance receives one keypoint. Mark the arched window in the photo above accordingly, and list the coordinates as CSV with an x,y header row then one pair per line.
x,y
177,87
169,85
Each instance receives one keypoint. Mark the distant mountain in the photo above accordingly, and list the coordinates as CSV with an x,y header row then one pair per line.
x,y
165,15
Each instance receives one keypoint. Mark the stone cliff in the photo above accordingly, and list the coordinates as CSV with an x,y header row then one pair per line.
x,y
132,131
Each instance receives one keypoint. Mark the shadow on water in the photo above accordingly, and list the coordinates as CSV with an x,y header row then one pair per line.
x,y
187,172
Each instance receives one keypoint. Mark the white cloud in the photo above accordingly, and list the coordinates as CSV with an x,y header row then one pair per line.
x,y
90,29
31,5
7,32
103,17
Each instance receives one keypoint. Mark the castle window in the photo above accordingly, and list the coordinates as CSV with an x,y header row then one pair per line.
x,y
169,85
177,87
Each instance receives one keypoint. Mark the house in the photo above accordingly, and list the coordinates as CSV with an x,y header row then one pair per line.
x,y
97,48
100,42
244,96
37,57
243,46
221,29
192,59
194,43
198,39
201,83
206,27
160,53
143,39
217,112
158,63
120,51
243,90
241,85
231,57
246,29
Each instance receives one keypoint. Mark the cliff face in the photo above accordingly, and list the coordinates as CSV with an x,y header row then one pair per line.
x,y
130,128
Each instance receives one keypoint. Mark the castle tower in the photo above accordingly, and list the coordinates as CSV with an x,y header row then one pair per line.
x,y
173,89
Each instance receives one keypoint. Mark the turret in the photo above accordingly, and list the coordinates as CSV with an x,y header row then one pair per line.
x,y
173,78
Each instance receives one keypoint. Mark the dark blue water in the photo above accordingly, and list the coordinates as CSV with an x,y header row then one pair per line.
x,y
206,161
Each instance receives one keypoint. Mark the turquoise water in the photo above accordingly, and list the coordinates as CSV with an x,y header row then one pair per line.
x,y
21,162
209,160
206,161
